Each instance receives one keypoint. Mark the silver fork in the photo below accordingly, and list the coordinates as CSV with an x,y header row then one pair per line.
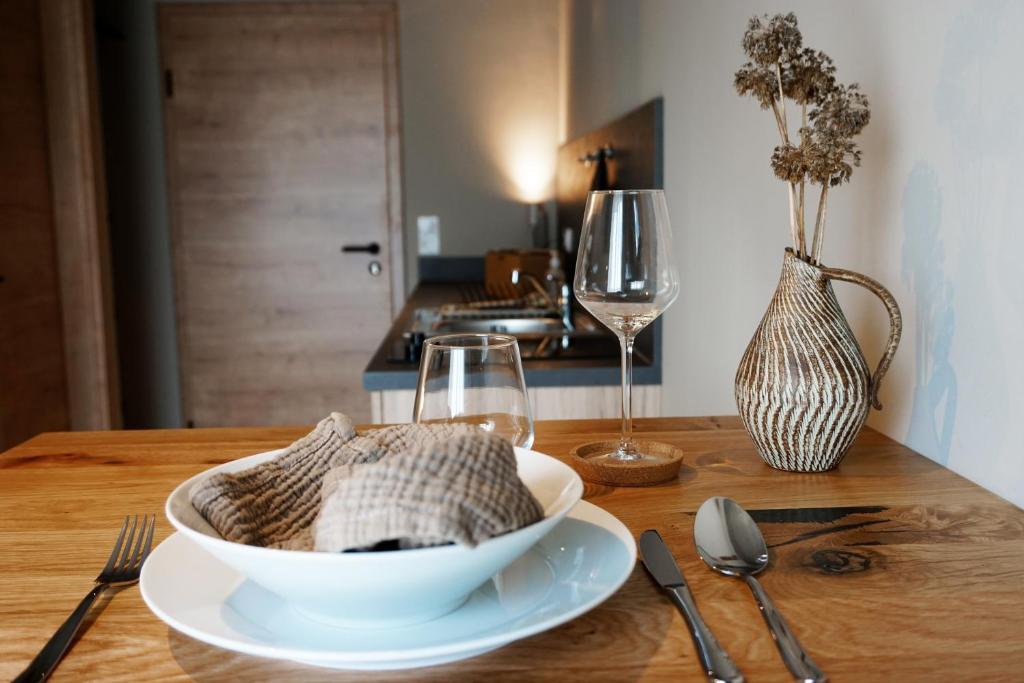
x,y
122,569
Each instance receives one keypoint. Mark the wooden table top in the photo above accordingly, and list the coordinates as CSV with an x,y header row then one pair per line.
x,y
922,580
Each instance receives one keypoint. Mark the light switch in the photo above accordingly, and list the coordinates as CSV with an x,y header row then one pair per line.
x,y
429,231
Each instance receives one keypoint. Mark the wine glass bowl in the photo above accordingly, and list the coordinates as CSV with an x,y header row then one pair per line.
x,y
475,379
625,274
626,277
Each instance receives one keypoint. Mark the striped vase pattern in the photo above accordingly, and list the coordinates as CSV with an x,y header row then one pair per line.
x,y
803,387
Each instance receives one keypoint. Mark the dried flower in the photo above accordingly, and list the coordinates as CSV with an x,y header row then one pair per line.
x,y
789,164
830,158
843,111
809,77
769,40
780,68
759,82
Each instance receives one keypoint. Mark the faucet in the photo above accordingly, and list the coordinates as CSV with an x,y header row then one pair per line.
x,y
556,296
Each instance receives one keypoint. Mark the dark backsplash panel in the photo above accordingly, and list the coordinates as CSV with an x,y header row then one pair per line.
x,y
636,164
451,268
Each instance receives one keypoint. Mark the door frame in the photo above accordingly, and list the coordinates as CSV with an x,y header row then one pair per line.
x,y
78,190
393,135
395,256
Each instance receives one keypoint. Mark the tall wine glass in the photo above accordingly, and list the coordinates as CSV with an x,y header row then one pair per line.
x,y
626,278
475,379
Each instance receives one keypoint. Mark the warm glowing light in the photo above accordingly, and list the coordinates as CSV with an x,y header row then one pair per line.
x,y
525,152
510,107
532,171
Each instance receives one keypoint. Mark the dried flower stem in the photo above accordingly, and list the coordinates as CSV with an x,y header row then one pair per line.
x,y
780,115
792,217
819,224
782,103
803,183
800,221
778,122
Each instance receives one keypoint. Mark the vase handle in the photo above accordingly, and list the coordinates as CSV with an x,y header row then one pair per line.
x,y
895,322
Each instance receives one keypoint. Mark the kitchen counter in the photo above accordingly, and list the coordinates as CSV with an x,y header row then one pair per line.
x,y
591,362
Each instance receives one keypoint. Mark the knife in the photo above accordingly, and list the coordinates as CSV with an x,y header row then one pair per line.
x,y
662,567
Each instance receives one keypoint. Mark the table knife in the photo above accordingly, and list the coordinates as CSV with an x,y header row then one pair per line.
x,y
662,567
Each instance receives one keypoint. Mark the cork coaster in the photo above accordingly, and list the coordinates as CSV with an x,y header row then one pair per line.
x,y
664,466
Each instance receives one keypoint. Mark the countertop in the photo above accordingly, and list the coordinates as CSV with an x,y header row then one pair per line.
x,y
382,374
911,573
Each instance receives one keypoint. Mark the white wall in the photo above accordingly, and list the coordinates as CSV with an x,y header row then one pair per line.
x,y
479,85
931,214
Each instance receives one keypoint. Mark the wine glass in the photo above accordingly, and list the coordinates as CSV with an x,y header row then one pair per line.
x,y
626,278
475,379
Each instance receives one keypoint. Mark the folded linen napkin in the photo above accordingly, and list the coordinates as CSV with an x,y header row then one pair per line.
x,y
333,490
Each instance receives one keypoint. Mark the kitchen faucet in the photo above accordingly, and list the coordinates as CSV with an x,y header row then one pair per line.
x,y
562,301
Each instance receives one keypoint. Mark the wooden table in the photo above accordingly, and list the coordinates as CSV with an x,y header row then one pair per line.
x,y
922,580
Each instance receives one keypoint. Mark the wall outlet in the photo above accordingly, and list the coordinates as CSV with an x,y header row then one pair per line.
x,y
429,230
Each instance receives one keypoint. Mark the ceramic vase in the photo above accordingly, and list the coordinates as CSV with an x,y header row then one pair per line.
x,y
803,387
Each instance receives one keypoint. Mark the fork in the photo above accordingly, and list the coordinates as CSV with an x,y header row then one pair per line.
x,y
122,569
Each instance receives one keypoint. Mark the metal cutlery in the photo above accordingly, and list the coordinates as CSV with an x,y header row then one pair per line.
x,y
122,569
729,541
659,562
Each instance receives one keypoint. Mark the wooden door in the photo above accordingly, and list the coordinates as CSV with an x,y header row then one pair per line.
x,y
281,148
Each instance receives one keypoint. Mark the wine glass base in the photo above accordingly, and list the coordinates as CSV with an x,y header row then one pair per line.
x,y
652,462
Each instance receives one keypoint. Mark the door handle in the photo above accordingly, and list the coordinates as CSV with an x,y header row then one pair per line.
x,y
371,248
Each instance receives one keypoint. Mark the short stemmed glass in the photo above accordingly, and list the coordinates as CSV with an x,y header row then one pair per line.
x,y
475,379
626,278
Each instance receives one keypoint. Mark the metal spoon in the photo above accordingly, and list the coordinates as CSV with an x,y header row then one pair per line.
x,y
729,542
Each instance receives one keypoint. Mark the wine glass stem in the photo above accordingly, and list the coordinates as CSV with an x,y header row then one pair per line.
x,y
626,440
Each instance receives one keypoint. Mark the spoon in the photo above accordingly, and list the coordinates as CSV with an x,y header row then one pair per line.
x,y
729,542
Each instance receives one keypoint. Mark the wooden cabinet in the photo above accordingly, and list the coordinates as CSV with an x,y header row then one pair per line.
x,y
547,403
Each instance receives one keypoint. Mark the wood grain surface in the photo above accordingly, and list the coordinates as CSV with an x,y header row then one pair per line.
x,y
894,569
33,391
78,186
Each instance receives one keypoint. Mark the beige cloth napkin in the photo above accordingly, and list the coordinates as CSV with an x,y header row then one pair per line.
x,y
410,485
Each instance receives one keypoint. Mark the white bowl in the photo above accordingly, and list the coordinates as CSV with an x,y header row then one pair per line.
x,y
381,589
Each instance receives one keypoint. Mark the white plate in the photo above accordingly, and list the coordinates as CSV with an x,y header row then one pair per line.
x,y
578,565
382,589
